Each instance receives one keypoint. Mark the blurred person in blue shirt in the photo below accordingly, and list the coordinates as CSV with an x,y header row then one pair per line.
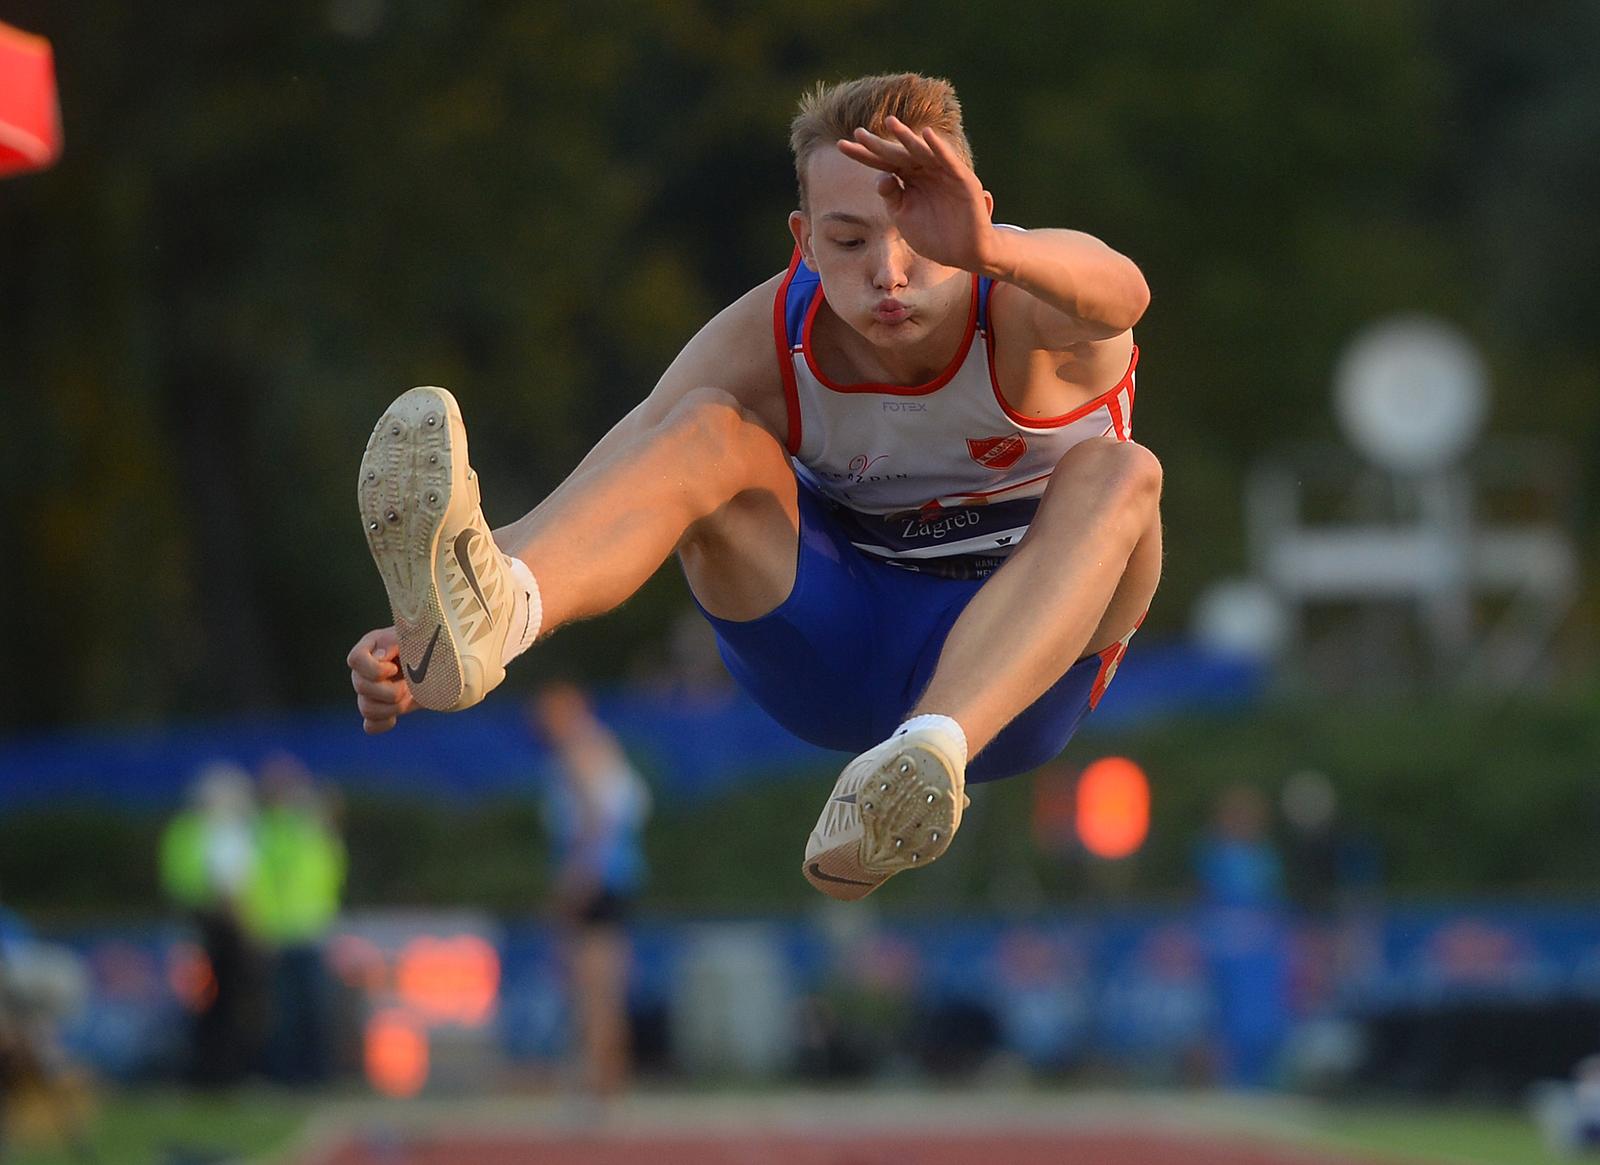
x,y
595,811
1239,865
1244,898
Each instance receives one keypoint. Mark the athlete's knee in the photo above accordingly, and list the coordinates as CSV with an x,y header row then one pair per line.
x,y
706,421
1140,474
1130,472
729,449
709,429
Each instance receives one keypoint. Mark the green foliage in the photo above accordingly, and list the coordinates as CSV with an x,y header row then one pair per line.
x,y
1460,799
410,852
272,218
1437,1133
80,861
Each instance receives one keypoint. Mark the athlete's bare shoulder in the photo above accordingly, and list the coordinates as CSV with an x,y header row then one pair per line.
x,y
735,352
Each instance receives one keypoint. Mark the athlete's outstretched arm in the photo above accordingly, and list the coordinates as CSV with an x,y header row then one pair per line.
x,y
1080,288
1084,290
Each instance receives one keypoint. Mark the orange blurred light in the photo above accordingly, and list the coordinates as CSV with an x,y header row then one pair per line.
x,y
449,980
1055,808
396,1054
190,977
1113,807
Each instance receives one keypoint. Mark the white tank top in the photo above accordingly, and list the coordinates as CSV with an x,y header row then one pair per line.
x,y
943,476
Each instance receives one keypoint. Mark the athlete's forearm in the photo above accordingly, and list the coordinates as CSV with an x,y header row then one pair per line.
x,y
1074,273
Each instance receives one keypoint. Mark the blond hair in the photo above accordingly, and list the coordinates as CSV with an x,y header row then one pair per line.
x,y
831,112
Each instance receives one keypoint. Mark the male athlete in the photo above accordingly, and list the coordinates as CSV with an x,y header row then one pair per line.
x,y
898,477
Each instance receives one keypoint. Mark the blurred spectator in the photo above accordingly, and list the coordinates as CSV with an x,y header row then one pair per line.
x,y
208,867
294,901
1241,880
1239,867
1043,1006
1569,1113
596,810
1332,867
1157,1010
1054,820
1334,876
864,1019
41,986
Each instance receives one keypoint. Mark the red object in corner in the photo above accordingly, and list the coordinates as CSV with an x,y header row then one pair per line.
x,y
30,117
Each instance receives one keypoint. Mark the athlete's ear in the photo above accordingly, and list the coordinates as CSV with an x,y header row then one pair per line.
x,y
800,228
988,204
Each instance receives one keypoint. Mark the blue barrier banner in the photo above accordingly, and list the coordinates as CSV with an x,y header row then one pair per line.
x,y
690,745
1145,991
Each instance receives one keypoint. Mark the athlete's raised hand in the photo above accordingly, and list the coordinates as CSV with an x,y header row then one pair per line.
x,y
382,694
937,203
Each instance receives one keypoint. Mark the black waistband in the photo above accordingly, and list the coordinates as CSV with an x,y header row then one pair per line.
x,y
997,527
956,566
914,539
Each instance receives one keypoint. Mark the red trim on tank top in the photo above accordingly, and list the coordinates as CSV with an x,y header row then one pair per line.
x,y
1119,426
780,333
989,493
933,385
1105,398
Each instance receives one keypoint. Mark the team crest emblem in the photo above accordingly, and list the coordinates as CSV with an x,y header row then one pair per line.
x,y
997,452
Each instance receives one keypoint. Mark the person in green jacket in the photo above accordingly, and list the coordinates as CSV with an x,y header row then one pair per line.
x,y
293,903
208,867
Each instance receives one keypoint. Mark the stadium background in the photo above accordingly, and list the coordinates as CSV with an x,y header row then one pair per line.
x,y
270,219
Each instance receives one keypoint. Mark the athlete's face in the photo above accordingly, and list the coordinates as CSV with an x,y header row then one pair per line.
x,y
873,281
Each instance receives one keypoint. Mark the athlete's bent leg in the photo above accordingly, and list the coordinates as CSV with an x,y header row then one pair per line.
x,y
1080,581
708,479
705,473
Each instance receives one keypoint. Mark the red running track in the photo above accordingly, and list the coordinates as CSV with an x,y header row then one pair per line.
x,y
865,1148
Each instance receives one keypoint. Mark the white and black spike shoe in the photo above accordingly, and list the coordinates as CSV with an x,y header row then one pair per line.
x,y
449,586
895,807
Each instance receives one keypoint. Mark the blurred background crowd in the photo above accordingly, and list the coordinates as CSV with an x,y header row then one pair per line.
x,y
1346,842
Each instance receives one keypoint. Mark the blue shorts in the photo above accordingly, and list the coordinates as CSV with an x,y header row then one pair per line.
x,y
842,660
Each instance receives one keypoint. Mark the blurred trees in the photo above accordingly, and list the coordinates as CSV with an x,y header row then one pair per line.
x,y
272,218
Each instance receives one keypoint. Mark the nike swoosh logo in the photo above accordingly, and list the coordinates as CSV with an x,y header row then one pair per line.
x,y
816,872
416,673
847,799
463,545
